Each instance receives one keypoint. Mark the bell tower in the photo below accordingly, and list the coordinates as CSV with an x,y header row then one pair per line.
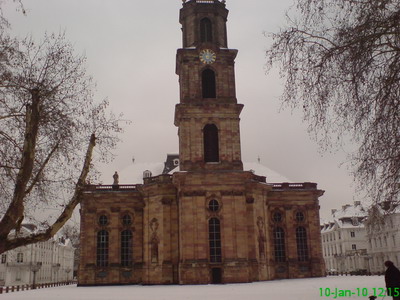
x,y
208,113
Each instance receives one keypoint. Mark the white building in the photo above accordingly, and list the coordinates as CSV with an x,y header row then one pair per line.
x,y
344,242
383,233
50,261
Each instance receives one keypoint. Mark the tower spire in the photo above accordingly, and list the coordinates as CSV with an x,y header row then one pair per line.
x,y
208,113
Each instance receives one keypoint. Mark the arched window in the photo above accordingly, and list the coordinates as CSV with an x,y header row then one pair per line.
x,y
211,143
279,244
126,220
277,217
300,216
213,205
301,240
208,84
214,235
103,220
126,248
102,248
205,30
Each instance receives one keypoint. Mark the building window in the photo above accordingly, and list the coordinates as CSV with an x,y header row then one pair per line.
x,y
208,84
102,248
354,221
126,220
299,216
214,230
301,240
18,275
213,205
277,217
211,143
20,257
126,248
279,243
4,258
205,30
352,234
354,246
103,220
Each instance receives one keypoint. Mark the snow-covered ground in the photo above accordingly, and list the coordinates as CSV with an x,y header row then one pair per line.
x,y
298,289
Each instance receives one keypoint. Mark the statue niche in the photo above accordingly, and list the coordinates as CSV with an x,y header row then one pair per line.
x,y
154,240
261,237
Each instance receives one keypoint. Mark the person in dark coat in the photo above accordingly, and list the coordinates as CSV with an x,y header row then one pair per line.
x,y
392,280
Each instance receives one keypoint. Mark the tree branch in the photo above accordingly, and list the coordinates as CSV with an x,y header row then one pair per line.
x,y
36,179
15,212
64,216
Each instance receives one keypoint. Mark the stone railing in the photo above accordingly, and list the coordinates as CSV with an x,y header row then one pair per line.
x,y
294,186
204,1
120,187
158,179
24,287
259,178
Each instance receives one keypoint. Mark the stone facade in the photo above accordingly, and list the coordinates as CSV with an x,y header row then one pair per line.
x,y
44,262
209,222
344,241
383,234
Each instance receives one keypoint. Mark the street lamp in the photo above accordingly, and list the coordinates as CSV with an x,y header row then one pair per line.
x,y
35,267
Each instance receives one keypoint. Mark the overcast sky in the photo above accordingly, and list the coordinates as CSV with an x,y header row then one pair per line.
x,y
131,47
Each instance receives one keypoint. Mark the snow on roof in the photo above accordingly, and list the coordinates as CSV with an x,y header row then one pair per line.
x,y
349,216
133,173
261,170
350,211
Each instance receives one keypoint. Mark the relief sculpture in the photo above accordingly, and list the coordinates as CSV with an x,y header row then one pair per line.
x,y
154,240
261,237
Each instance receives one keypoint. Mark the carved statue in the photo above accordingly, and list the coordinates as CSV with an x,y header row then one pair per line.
x,y
261,237
116,178
154,240
154,247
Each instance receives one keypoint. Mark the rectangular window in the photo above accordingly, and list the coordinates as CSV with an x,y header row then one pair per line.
x,y
102,248
126,248
20,257
214,231
279,242
18,275
354,247
4,258
352,234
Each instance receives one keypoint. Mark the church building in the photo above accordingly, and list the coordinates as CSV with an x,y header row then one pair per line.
x,y
210,221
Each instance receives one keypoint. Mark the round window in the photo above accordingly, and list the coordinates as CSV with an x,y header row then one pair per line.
x,y
126,220
277,216
103,220
299,216
213,205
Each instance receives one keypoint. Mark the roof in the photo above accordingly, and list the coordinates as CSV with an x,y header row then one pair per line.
x,y
349,216
133,173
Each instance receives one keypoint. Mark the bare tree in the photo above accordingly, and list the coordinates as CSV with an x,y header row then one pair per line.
x,y
49,126
341,64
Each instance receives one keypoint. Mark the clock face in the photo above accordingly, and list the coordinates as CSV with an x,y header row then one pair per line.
x,y
207,56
